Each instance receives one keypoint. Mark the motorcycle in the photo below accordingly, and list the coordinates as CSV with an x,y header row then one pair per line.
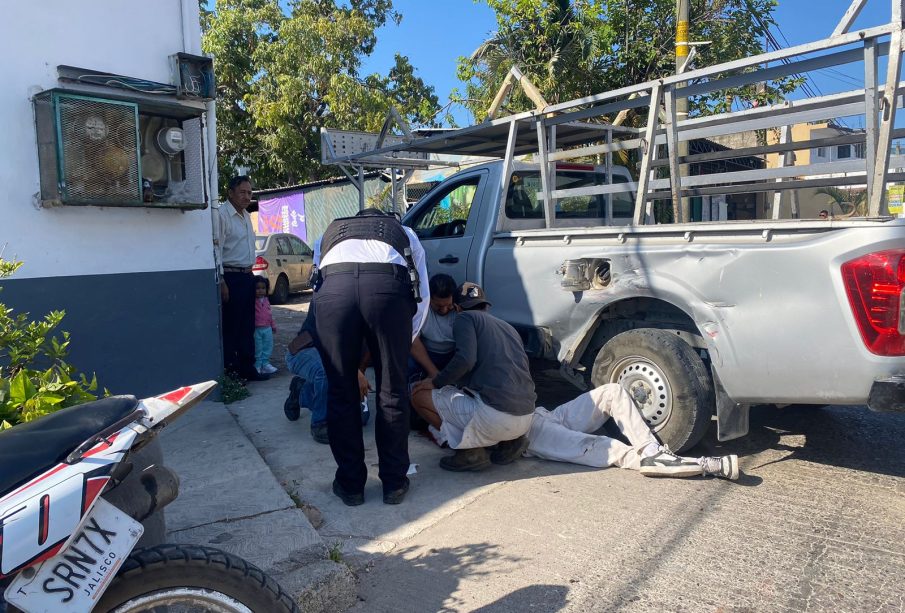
x,y
65,547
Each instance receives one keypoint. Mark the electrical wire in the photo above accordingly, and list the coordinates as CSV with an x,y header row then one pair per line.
x,y
139,85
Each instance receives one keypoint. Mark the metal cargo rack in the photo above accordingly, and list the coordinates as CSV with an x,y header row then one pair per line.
x,y
579,128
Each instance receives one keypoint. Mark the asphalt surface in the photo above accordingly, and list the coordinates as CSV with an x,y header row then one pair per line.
x,y
816,523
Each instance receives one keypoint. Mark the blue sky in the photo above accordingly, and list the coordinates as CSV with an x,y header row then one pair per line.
x,y
434,33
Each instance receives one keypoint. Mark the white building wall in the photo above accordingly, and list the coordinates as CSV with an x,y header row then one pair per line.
x,y
130,37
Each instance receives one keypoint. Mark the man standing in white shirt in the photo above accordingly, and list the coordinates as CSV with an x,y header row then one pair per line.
x,y
373,278
237,283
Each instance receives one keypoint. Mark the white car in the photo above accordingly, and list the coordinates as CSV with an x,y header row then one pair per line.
x,y
286,261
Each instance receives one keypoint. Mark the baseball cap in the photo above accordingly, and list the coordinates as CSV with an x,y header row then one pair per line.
x,y
469,295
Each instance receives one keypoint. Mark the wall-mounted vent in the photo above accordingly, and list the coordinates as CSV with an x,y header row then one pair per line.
x,y
88,149
103,152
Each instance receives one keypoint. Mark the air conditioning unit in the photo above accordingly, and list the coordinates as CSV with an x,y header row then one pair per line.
x,y
110,152
88,150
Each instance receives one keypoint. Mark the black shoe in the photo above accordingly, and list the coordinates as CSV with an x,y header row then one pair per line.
x,y
319,434
348,498
291,406
508,452
256,376
466,459
396,496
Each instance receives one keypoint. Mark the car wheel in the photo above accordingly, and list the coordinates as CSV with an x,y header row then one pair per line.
x,y
667,380
280,290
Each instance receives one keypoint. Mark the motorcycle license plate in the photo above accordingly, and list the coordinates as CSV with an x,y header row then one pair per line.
x,y
75,578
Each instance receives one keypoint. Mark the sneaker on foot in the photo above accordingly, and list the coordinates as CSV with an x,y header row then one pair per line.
x,y
268,369
291,406
667,464
723,466
319,434
507,452
467,459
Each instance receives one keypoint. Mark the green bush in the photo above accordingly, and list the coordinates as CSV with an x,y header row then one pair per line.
x,y
35,378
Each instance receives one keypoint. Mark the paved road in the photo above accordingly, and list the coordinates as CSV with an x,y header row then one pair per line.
x,y
816,524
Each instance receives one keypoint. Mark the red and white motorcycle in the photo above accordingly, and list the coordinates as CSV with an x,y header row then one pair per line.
x,y
63,547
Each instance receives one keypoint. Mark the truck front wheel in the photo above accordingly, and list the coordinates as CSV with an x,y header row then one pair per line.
x,y
667,380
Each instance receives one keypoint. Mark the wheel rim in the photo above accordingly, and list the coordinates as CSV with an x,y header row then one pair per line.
x,y
183,600
648,387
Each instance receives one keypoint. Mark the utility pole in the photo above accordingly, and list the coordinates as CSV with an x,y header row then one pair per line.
x,y
682,49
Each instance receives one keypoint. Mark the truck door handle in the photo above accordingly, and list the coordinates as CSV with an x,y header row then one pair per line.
x,y
449,259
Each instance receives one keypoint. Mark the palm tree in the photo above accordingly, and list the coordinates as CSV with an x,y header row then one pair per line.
x,y
851,203
556,47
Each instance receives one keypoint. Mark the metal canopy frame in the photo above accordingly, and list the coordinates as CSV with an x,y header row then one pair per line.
x,y
563,131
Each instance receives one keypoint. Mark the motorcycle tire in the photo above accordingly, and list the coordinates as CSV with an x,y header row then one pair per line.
x,y
191,578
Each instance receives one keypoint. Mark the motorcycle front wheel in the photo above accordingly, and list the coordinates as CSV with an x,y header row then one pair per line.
x,y
183,578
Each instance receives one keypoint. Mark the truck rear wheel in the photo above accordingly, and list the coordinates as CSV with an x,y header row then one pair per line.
x,y
667,380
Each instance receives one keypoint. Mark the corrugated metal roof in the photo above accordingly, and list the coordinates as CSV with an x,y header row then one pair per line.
x,y
306,186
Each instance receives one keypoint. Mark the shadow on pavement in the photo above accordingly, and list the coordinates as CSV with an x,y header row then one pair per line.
x,y
852,437
531,598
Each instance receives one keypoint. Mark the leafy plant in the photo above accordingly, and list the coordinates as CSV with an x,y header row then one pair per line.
x,y
231,389
287,68
335,553
851,202
35,378
575,48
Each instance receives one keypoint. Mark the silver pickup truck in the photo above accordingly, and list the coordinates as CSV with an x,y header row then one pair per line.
x,y
695,319
622,276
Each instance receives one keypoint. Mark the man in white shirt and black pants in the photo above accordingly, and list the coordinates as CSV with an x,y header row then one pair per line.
x,y
372,279
237,283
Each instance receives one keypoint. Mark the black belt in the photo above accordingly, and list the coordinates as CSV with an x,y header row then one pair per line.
x,y
398,271
237,269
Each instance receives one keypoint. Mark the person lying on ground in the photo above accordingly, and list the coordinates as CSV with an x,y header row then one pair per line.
x,y
497,406
565,435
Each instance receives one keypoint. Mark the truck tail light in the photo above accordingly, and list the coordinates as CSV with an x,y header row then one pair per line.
x,y
260,264
875,284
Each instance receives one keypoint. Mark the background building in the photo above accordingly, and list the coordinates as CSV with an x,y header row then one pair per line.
x,y
95,100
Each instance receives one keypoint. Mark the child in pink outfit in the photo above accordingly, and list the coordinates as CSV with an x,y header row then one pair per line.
x,y
264,328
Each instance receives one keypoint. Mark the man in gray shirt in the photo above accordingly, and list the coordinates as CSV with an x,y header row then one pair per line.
x,y
493,404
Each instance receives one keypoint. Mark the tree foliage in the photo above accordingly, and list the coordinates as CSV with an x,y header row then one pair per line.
x,y
575,48
284,74
35,378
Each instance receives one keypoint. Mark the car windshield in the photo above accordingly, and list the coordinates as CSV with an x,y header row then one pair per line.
x,y
259,242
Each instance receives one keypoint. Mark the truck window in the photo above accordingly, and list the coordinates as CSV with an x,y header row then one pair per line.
x,y
522,201
447,212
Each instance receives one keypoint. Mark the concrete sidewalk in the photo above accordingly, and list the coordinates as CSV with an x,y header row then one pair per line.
x,y
230,499
306,470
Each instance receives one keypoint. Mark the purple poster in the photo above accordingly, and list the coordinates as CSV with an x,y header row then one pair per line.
x,y
283,214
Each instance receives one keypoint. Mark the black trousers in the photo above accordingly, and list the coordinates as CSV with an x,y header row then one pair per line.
x,y
239,324
377,308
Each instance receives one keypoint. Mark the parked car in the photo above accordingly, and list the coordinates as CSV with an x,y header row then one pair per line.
x,y
286,261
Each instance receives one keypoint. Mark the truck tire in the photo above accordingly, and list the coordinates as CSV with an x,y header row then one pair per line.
x,y
667,380
193,578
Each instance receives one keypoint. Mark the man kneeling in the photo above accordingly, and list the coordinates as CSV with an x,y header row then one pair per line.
x,y
496,409
495,406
